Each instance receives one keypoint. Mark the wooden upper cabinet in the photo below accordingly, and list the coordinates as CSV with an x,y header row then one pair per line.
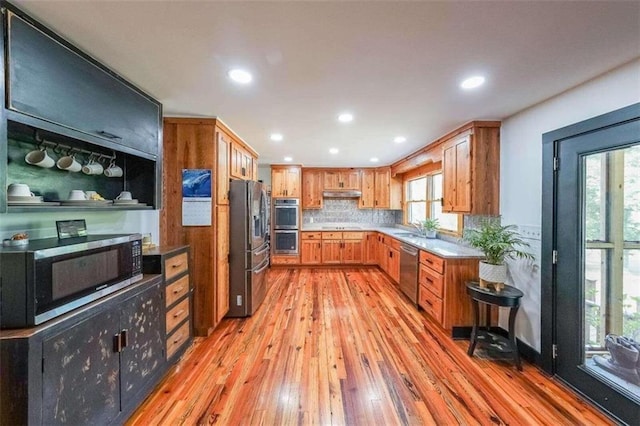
x,y
285,181
367,182
242,162
471,172
342,179
387,190
312,185
222,174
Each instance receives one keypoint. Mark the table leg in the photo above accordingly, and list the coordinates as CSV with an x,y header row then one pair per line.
x,y
512,336
474,330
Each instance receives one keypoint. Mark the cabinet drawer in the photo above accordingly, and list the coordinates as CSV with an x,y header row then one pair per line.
x,y
177,339
431,303
332,235
177,314
175,265
431,280
352,235
432,261
285,260
176,290
311,235
394,244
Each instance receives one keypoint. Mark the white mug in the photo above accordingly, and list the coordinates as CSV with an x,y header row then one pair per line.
x,y
124,195
113,170
40,158
69,163
92,168
77,194
19,190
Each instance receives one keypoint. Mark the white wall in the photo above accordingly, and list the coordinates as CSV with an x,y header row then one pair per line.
x,y
43,225
521,171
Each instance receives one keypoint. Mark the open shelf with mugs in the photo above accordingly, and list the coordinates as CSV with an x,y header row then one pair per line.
x,y
47,171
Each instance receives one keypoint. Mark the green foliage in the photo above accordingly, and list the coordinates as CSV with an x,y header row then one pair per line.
x,y
497,242
430,224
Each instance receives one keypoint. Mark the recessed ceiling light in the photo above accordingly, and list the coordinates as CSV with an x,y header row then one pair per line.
x,y
374,159
288,159
276,137
333,150
472,82
345,117
399,139
240,76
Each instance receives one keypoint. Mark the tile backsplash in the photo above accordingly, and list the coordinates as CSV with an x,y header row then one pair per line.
x,y
346,210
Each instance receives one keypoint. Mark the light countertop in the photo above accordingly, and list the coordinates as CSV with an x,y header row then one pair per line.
x,y
436,246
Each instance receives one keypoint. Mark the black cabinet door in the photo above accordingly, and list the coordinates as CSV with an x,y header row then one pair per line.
x,y
81,374
142,357
48,80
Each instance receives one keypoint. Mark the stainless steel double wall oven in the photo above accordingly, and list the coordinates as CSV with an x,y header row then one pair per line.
x,y
286,219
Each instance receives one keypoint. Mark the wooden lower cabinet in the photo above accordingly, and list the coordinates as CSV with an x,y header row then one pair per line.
x,y
442,289
93,365
285,259
173,263
310,248
342,248
371,248
394,264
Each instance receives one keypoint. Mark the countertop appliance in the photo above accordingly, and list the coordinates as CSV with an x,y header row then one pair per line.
x,y
409,272
50,277
248,247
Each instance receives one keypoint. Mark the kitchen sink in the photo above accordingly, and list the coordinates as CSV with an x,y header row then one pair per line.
x,y
405,234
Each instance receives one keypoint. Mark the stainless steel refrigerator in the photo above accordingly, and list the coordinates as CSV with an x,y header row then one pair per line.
x,y
248,247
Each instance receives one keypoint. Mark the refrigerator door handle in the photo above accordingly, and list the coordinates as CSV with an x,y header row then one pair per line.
x,y
257,271
266,248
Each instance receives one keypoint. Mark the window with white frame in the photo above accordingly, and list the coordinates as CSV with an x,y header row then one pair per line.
x,y
424,199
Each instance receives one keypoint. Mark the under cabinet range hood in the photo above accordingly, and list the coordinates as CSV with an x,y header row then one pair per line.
x,y
342,194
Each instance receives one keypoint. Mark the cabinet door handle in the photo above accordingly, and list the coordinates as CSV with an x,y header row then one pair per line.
x,y
117,343
108,135
244,171
123,338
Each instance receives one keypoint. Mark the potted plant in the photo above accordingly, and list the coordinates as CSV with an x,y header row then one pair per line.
x,y
428,227
497,243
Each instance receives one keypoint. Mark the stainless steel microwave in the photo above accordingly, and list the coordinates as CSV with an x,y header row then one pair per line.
x,y
50,277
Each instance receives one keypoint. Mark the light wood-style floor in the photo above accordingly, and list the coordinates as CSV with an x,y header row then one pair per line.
x,y
331,346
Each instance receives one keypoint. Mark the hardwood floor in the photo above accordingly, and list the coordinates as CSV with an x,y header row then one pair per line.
x,y
343,346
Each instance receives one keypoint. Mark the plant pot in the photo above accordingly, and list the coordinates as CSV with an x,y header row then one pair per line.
x,y
430,234
494,275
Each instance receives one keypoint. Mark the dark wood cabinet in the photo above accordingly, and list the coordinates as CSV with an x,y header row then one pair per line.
x,y
60,98
50,80
92,365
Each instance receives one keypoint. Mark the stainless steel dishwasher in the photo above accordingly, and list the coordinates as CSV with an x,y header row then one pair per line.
x,y
409,272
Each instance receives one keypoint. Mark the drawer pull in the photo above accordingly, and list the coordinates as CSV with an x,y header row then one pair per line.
x,y
176,265
428,260
177,290
428,280
428,303
178,338
179,313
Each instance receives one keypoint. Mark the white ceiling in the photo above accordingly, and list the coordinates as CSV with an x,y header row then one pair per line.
x,y
395,65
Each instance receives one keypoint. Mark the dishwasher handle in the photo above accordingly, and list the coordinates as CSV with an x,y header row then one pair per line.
x,y
409,250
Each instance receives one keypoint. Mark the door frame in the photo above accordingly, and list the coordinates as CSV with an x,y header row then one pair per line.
x,y
550,142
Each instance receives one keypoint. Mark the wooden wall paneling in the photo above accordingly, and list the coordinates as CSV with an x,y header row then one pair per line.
x,y
191,144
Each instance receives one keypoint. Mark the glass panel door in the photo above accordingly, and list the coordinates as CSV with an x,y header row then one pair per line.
x,y
597,275
611,316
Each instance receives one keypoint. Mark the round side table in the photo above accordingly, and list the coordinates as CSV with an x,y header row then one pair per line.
x,y
508,297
